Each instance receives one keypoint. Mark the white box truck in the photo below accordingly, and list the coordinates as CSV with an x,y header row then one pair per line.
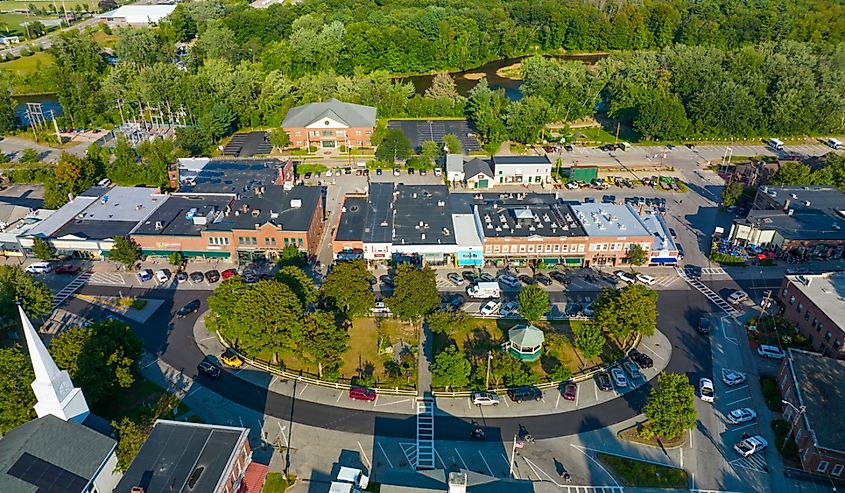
x,y
484,289
834,143
775,144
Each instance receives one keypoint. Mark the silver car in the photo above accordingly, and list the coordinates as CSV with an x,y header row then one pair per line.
x,y
619,378
485,399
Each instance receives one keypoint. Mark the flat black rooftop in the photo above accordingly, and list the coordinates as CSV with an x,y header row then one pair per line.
x,y
95,230
230,176
527,219
819,380
520,160
813,224
350,227
422,215
171,218
291,210
174,451
378,227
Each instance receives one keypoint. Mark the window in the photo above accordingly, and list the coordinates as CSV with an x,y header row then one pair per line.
x,y
358,133
548,247
299,240
614,247
837,343
327,133
266,241
505,248
822,467
837,470
593,247
784,292
341,133
254,240
827,336
819,328
369,132
531,248
240,240
273,241
487,248
581,248
807,315
815,322
360,143
799,307
557,247
522,248
565,248
496,249
299,133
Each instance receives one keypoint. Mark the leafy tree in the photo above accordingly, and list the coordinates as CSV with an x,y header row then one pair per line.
x,y
218,41
130,438
140,46
533,302
661,115
222,303
218,122
29,156
347,288
73,175
792,173
589,339
512,372
7,110
630,310
291,256
394,146
42,249
125,251
16,285
415,294
325,340
100,358
300,282
448,321
442,86
637,254
16,375
453,143
192,140
176,259
670,407
526,118
279,138
450,369
430,150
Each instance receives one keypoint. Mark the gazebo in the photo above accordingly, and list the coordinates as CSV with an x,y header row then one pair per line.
x,y
525,342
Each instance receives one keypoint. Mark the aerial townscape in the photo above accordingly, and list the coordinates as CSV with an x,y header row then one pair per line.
x,y
317,246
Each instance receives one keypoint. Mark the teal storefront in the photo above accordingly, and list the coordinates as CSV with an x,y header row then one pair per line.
x,y
469,257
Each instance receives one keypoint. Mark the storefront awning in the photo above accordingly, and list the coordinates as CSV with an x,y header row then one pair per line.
x,y
664,260
572,261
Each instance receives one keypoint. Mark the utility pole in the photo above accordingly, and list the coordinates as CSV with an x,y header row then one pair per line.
x,y
487,380
616,140
764,305
799,411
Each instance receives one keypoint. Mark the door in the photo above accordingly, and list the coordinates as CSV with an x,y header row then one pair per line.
x,y
483,183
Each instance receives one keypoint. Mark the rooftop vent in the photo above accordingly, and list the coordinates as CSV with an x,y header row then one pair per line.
x,y
200,220
383,224
138,207
274,215
793,196
441,203
806,203
422,236
256,212
295,203
445,231
159,225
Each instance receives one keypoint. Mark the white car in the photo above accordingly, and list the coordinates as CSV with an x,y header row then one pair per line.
x,y
646,279
39,268
621,274
742,415
768,351
733,377
706,390
509,309
162,276
619,378
572,185
485,399
438,172
508,280
751,445
328,173
737,297
489,308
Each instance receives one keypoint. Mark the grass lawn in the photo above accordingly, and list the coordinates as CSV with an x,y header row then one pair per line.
x,y
28,64
105,40
11,23
138,402
641,474
275,483
43,4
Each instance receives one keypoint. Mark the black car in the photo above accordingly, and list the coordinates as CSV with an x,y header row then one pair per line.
x,y
673,233
607,147
558,276
188,309
372,280
469,275
543,279
527,280
196,277
522,394
642,360
386,280
410,171
704,325
181,276
208,368
603,382
456,302
378,171
212,276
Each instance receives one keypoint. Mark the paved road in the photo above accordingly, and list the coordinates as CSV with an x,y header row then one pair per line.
x,y
175,344
46,41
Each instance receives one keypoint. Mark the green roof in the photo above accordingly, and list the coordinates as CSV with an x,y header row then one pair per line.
x,y
526,336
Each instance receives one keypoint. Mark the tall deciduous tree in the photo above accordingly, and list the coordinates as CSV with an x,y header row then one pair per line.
x,y
291,256
526,118
637,254
18,286
301,284
442,86
505,369
533,302
279,138
589,339
630,310
7,110
670,407
393,146
453,144
130,438
43,249
267,317
415,294
325,340
347,287
450,369
16,375
125,250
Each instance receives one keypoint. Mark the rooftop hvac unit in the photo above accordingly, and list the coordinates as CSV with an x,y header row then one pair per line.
x,y
441,203
200,220
295,203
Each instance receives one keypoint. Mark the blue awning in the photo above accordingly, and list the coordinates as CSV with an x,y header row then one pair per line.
x,y
664,260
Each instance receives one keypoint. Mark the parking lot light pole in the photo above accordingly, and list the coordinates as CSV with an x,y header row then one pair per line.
x,y
487,380
798,412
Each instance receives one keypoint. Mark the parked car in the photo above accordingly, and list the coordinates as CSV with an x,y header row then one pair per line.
x,y
646,279
486,277
619,378
196,277
378,171
362,394
632,369
456,302
455,279
706,390
751,445
145,275
522,394
629,278
508,280
603,382
469,276
438,171
39,268
558,276
737,297
489,308
768,351
673,233
527,280
67,269
208,368
212,276
733,377
573,310
395,171
570,391
188,309
509,309
410,171
543,279
226,274
704,325
162,276
181,276
386,280
484,399
230,358
742,415
642,360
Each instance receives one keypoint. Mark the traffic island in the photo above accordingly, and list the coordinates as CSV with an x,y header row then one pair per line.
x,y
641,474
635,434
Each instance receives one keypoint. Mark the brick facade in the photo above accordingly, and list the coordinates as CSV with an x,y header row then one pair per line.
x,y
825,336
330,137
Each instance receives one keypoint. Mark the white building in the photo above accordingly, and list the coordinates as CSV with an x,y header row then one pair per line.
x,y
137,15
522,169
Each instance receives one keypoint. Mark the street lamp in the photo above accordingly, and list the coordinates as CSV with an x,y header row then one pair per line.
x,y
798,412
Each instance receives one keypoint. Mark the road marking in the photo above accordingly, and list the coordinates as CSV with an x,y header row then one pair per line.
x,y
652,351
537,471
558,400
682,457
375,401
725,334
339,395
485,463
581,449
436,453
596,391
577,395
741,387
744,426
391,403
385,455
738,400
207,338
462,459
515,471
364,454
303,390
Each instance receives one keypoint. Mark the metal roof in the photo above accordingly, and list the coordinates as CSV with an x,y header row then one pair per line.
x,y
609,220
818,380
353,115
526,336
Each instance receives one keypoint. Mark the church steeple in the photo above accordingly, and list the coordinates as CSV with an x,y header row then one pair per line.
x,y
54,391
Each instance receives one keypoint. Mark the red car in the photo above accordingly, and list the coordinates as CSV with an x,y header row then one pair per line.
x,y
229,273
569,391
67,269
362,394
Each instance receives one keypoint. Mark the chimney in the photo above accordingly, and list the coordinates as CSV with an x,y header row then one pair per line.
x,y
457,482
244,208
786,204
642,207
137,489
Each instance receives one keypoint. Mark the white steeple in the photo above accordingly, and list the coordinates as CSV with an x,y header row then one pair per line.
x,y
54,392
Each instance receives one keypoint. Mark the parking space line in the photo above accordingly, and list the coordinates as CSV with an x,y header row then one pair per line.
x,y
738,400
303,390
339,395
741,387
385,455
536,468
577,395
582,450
485,463
364,454
744,426
391,403
596,390
652,351
462,459
558,400
442,463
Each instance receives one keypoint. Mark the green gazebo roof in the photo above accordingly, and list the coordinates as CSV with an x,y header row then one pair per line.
x,y
524,335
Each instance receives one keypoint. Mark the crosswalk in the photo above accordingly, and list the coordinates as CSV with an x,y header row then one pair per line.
x,y
754,462
713,271
110,278
710,294
591,489
71,288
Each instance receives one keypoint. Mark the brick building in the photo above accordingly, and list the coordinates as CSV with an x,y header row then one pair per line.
x,y
812,385
330,125
814,303
612,231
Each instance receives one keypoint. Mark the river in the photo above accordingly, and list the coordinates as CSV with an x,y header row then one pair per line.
x,y
467,79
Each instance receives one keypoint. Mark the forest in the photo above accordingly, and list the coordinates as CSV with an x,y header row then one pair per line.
x,y
677,70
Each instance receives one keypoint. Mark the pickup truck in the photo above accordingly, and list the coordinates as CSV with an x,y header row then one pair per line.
x,y
751,445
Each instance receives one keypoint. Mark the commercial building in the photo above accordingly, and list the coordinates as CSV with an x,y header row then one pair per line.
x,y
422,224
612,230
365,228
455,168
664,250
522,169
182,457
11,233
137,15
812,385
330,124
815,304
805,222
478,174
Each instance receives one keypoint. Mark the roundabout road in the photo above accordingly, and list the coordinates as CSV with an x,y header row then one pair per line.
x,y
173,341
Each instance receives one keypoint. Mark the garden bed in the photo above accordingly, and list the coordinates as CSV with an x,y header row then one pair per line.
x,y
771,394
632,434
640,474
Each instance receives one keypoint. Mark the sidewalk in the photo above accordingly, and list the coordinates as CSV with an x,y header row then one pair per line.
x,y
588,394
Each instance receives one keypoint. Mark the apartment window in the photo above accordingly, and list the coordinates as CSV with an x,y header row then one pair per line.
x,y
240,240
837,343
299,133
358,133
341,133
792,300
837,470
496,249
522,248
255,241
368,132
488,249
565,248
815,322
315,133
615,247
784,292
557,247
799,307
827,336
548,247
360,143
266,241
822,467
819,328
593,247
531,248
299,240
581,248
273,241
327,133
807,315
505,248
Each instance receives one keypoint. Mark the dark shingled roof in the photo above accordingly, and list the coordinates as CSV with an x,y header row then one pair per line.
x,y
520,160
353,115
819,382
476,166
175,450
173,215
